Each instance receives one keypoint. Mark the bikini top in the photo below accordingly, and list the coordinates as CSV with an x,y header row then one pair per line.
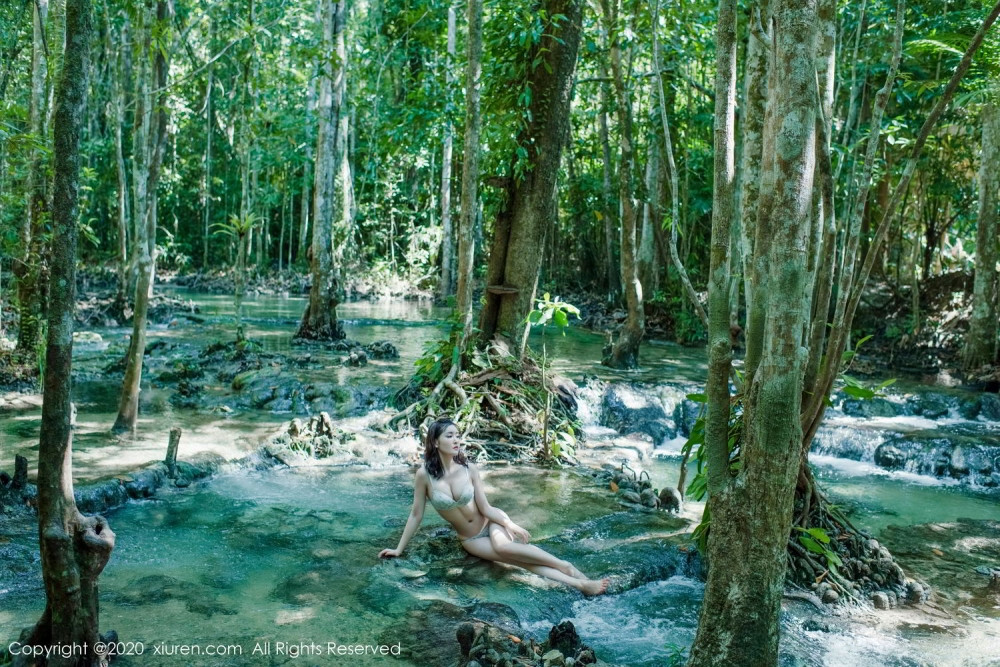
x,y
443,501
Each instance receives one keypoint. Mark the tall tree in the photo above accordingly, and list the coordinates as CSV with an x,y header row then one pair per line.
x,y
981,342
446,284
29,268
149,142
751,508
319,321
529,208
74,548
625,351
470,167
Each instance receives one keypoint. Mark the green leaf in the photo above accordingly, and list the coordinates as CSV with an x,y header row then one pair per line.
x,y
560,319
697,398
811,545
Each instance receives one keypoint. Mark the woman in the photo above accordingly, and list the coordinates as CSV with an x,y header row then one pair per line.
x,y
454,488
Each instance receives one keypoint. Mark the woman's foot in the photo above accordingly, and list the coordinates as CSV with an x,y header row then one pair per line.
x,y
594,586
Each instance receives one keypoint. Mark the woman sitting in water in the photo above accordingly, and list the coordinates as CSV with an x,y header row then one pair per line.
x,y
453,486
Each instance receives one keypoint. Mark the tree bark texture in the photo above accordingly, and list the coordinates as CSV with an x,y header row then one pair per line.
x,y
625,351
519,230
751,509
149,144
319,321
74,548
755,86
981,342
29,269
470,167
446,284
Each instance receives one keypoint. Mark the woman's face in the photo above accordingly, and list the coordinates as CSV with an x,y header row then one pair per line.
x,y
450,441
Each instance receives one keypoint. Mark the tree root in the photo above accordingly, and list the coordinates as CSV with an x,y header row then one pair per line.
x,y
500,407
864,567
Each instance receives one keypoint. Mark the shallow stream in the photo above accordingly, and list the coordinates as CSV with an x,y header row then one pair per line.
x,y
255,558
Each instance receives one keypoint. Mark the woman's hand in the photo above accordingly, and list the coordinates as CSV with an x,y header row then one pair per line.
x,y
519,534
390,553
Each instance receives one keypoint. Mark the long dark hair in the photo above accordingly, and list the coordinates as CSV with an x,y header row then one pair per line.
x,y
432,460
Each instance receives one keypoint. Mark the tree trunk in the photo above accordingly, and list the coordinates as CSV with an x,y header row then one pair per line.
x,y
117,120
74,548
149,141
650,216
625,351
751,508
755,90
206,193
519,231
30,270
981,341
319,321
446,284
612,263
470,168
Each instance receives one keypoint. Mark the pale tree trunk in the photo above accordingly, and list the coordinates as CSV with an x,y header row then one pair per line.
x,y
470,168
650,217
345,180
519,231
823,238
751,509
150,129
117,119
625,351
74,548
206,185
446,284
981,341
755,85
29,269
612,263
674,186
319,321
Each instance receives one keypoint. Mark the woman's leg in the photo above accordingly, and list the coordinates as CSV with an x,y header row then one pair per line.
x,y
516,553
483,548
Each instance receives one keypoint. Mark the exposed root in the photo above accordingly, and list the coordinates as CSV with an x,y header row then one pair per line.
x,y
501,406
855,565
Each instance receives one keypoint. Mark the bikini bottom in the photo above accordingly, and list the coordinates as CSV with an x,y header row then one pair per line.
x,y
483,533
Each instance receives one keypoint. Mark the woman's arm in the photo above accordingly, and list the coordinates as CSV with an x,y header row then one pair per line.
x,y
492,513
416,515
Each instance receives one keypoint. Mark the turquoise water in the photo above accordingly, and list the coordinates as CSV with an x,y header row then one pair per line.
x,y
289,555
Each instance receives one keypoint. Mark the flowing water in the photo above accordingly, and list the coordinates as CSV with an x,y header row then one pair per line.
x,y
252,559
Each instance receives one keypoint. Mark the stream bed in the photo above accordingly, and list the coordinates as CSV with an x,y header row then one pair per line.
x,y
253,558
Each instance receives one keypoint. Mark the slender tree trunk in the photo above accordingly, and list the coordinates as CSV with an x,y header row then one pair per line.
x,y
117,119
674,194
30,269
650,216
613,265
751,509
446,284
206,195
470,167
150,139
343,248
981,341
755,90
319,322
74,548
519,231
625,351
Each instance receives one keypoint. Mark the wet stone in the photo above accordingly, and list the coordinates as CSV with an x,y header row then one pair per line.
x,y
990,406
880,600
